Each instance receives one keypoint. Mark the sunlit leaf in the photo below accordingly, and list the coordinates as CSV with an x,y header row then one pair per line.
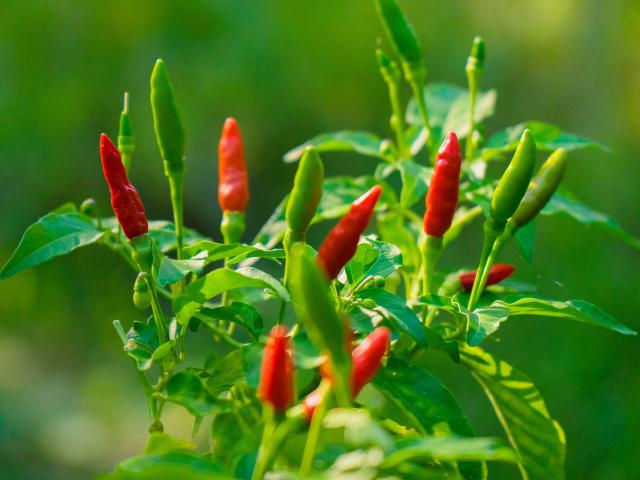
x,y
53,235
245,315
538,438
364,143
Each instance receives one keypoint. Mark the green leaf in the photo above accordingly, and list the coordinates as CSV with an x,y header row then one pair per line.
x,y
562,204
396,310
372,257
235,252
427,403
219,281
172,270
392,229
236,432
548,138
450,449
187,389
415,182
181,465
360,430
159,442
164,234
245,315
526,238
364,143
538,439
140,343
448,107
53,235
485,320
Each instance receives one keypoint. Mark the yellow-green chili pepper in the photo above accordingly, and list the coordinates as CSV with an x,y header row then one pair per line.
x,y
126,140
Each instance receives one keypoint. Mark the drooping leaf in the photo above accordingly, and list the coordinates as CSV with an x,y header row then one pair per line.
x,y
219,281
548,138
53,235
364,143
538,438
562,204
234,252
427,403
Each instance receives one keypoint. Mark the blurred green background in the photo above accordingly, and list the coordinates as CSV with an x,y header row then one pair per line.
x,y
69,402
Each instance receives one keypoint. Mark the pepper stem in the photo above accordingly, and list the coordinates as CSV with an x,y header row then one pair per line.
x,y
416,80
431,250
268,416
315,428
469,147
397,120
176,188
492,232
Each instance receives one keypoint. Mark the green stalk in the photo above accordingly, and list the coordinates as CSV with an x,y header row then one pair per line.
x,y
431,250
314,429
416,81
397,121
472,124
265,444
492,231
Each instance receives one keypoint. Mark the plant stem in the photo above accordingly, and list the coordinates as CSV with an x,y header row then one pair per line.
x,y
416,81
431,250
472,125
267,434
492,233
176,187
314,429
397,121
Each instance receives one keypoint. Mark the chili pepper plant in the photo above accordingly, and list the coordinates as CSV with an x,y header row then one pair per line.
x,y
320,369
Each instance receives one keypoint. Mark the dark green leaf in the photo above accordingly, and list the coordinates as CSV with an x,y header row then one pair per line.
x,y
187,389
415,182
562,204
526,238
538,439
53,235
427,403
164,234
364,143
219,281
548,138
373,257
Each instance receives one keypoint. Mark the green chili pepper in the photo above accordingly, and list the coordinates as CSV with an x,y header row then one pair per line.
x,y
310,295
400,34
515,180
305,196
232,226
542,187
475,66
126,140
166,120
170,137
141,293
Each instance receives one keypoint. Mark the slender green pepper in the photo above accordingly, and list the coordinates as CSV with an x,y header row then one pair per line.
x,y
474,68
166,120
141,294
170,137
401,34
542,187
126,140
305,196
310,295
515,180
391,75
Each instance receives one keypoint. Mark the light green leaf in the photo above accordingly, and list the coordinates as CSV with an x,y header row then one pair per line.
x,y
526,239
372,258
235,252
538,438
360,430
364,143
393,229
172,270
181,465
245,315
415,182
164,234
548,138
159,442
427,403
219,281
53,235
450,449
562,204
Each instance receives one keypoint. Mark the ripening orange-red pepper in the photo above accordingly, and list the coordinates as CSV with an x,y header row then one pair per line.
x,y
233,184
277,373
498,273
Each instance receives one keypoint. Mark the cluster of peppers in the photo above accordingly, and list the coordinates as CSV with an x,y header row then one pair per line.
x,y
516,200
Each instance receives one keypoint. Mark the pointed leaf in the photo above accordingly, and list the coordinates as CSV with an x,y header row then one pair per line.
x,y
364,143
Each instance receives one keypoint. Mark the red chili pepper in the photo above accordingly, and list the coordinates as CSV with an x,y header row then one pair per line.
x,y
366,359
233,186
125,200
442,198
341,242
498,272
278,370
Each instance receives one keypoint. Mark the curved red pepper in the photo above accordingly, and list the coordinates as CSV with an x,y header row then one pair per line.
x,y
125,200
341,242
233,185
277,372
442,197
498,272
366,359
